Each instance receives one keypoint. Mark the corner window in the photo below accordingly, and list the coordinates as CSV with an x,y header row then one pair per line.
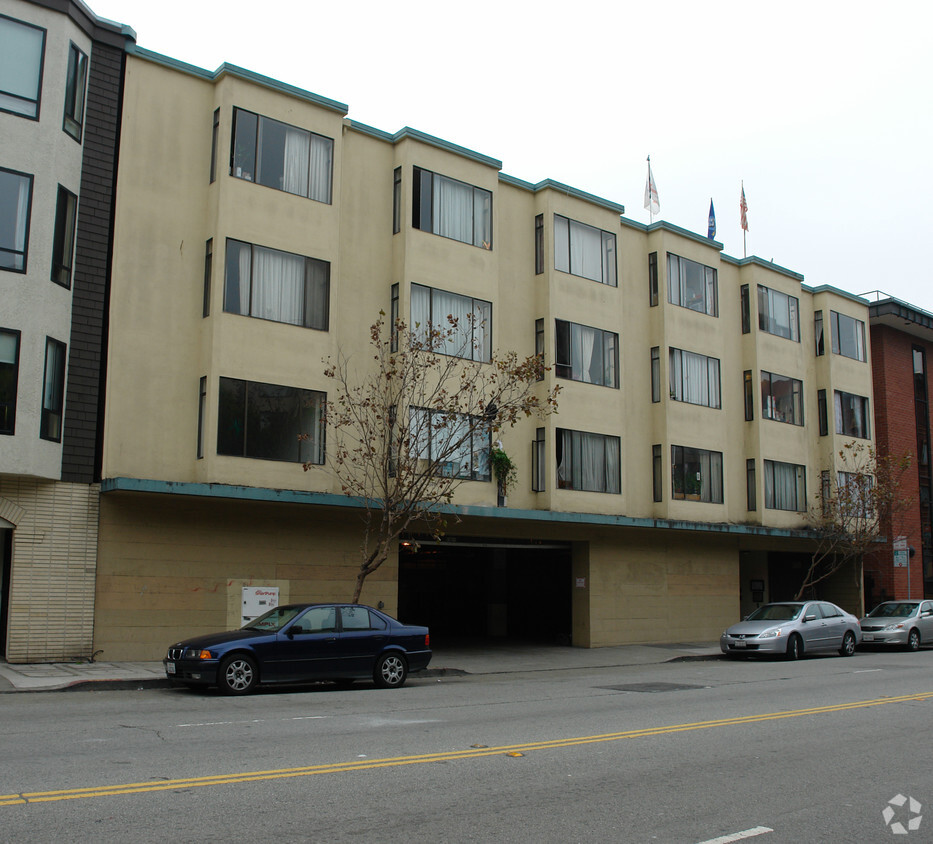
x,y
538,462
587,354
694,378
821,412
15,202
75,87
585,251
749,392
208,273
653,279
781,398
455,325
692,285
451,208
819,345
396,200
751,492
451,444
265,421
278,286
53,391
22,51
848,336
745,307
656,374
281,156
539,244
588,462
696,474
9,373
202,399
778,313
215,137
785,486
657,473
63,245
851,415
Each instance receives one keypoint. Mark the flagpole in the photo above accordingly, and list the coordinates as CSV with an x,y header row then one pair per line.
x,y
650,204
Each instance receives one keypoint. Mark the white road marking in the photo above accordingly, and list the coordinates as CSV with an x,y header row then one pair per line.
x,y
253,721
867,670
740,836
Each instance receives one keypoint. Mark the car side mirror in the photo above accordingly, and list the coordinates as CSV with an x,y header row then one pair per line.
x,y
810,618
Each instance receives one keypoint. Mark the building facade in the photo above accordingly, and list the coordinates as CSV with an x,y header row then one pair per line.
x,y
60,96
260,230
902,345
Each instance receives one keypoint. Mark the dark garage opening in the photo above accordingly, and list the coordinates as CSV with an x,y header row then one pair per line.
x,y
473,589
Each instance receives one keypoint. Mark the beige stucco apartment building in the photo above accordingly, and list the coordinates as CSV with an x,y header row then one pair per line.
x,y
258,230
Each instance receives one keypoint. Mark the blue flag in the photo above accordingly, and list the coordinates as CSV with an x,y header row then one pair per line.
x,y
711,233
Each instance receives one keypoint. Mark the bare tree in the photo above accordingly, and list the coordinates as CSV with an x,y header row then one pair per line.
x,y
854,509
413,417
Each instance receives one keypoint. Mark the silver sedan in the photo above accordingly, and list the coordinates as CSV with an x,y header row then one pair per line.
x,y
793,628
903,623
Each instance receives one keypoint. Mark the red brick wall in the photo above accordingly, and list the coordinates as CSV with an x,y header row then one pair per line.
x,y
896,435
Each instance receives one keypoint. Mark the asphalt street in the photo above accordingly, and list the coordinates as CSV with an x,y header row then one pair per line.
x,y
692,751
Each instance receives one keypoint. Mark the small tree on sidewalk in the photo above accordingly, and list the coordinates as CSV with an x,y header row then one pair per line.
x,y
854,510
414,418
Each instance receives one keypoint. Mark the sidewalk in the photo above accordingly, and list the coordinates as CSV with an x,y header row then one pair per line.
x,y
486,658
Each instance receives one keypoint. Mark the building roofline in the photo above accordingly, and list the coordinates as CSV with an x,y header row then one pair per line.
x,y
287,496
97,28
900,316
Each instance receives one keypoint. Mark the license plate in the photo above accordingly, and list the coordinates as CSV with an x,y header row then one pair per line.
x,y
868,637
169,667
740,643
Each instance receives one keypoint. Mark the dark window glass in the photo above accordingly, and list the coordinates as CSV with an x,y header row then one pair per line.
x,y
745,306
785,486
751,494
63,245
539,345
53,391
778,313
538,463
451,444
393,319
851,415
22,52
656,374
15,203
657,473
589,462
749,396
848,336
818,332
587,354
652,279
208,272
451,208
215,136
75,87
539,244
202,397
692,285
821,412
781,398
696,474
266,421
396,200
9,373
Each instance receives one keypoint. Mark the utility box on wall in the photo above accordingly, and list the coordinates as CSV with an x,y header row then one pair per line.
x,y
258,600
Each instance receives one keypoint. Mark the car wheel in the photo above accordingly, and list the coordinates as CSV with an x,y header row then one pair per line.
x,y
848,644
238,675
913,640
794,647
391,671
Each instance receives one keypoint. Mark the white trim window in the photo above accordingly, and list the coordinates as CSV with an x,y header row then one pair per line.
x,y
785,486
778,313
848,336
586,354
22,53
462,325
692,285
585,251
451,208
694,378
274,285
281,156
588,462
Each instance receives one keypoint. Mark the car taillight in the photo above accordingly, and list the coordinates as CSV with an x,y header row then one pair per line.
x,y
427,640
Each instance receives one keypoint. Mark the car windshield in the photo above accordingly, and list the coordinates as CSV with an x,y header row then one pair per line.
x,y
274,620
776,612
893,610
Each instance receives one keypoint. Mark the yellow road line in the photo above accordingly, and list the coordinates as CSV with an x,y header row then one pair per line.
x,y
443,756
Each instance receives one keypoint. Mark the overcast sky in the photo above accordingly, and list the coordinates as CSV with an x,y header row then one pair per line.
x,y
825,110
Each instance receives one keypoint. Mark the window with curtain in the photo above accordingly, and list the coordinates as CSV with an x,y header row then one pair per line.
x,y
462,325
694,378
588,462
15,203
692,285
585,251
75,86
9,372
854,492
451,208
281,156
848,336
450,444
781,398
778,313
274,285
696,474
538,462
587,354
267,421
22,52
851,415
63,244
53,391
785,486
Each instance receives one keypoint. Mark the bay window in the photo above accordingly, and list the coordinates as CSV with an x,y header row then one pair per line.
x,y
587,354
848,336
694,378
785,486
63,244
15,202
451,208
851,415
781,398
450,444
778,313
22,52
53,391
588,462
585,251
696,474
692,285
75,86
453,324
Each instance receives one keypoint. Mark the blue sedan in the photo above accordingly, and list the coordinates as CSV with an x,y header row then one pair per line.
x,y
303,642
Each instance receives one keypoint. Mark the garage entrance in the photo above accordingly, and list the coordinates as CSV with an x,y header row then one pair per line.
x,y
487,589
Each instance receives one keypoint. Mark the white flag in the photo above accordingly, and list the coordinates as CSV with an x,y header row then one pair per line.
x,y
651,192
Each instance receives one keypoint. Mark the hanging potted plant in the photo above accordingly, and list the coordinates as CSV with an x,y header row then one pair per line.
x,y
504,471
